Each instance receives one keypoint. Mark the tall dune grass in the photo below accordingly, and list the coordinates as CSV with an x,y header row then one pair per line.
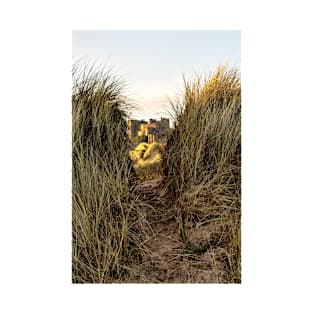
x,y
202,165
106,242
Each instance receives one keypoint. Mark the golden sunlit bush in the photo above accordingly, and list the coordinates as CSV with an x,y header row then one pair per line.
x,y
154,148
147,158
142,146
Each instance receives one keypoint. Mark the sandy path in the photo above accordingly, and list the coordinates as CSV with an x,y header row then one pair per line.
x,y
168,260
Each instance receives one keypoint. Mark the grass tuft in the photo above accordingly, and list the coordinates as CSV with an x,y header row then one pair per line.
x,y
201,165
106,223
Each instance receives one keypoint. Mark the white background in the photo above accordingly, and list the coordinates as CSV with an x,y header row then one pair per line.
x,y
35,130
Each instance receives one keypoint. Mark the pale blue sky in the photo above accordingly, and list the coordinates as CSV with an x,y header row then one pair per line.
x,y
153,62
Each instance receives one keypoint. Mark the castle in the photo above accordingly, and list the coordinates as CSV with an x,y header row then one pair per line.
x,y
149,132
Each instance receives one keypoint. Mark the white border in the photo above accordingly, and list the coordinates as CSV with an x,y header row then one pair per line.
x,y
36,156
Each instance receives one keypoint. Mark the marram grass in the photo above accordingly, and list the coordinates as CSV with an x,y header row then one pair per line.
x,y
199,197
202,162
106,242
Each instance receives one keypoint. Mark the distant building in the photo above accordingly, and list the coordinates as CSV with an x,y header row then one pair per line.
x,y
153,131
134,127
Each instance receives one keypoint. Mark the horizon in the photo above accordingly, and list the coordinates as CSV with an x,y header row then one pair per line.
x,y
153,63
147,119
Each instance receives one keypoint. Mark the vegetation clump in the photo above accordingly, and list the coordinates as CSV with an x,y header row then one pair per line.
x,y
156,212
201,164
147,160
106,242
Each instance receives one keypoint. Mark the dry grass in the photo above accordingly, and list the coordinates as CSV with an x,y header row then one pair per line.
x,y
107,219
182,227
202,166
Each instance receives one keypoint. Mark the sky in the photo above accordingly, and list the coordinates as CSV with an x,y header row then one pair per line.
x,y
153,63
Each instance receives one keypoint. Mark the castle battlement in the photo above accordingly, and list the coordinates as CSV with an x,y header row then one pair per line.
x,y
155,130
